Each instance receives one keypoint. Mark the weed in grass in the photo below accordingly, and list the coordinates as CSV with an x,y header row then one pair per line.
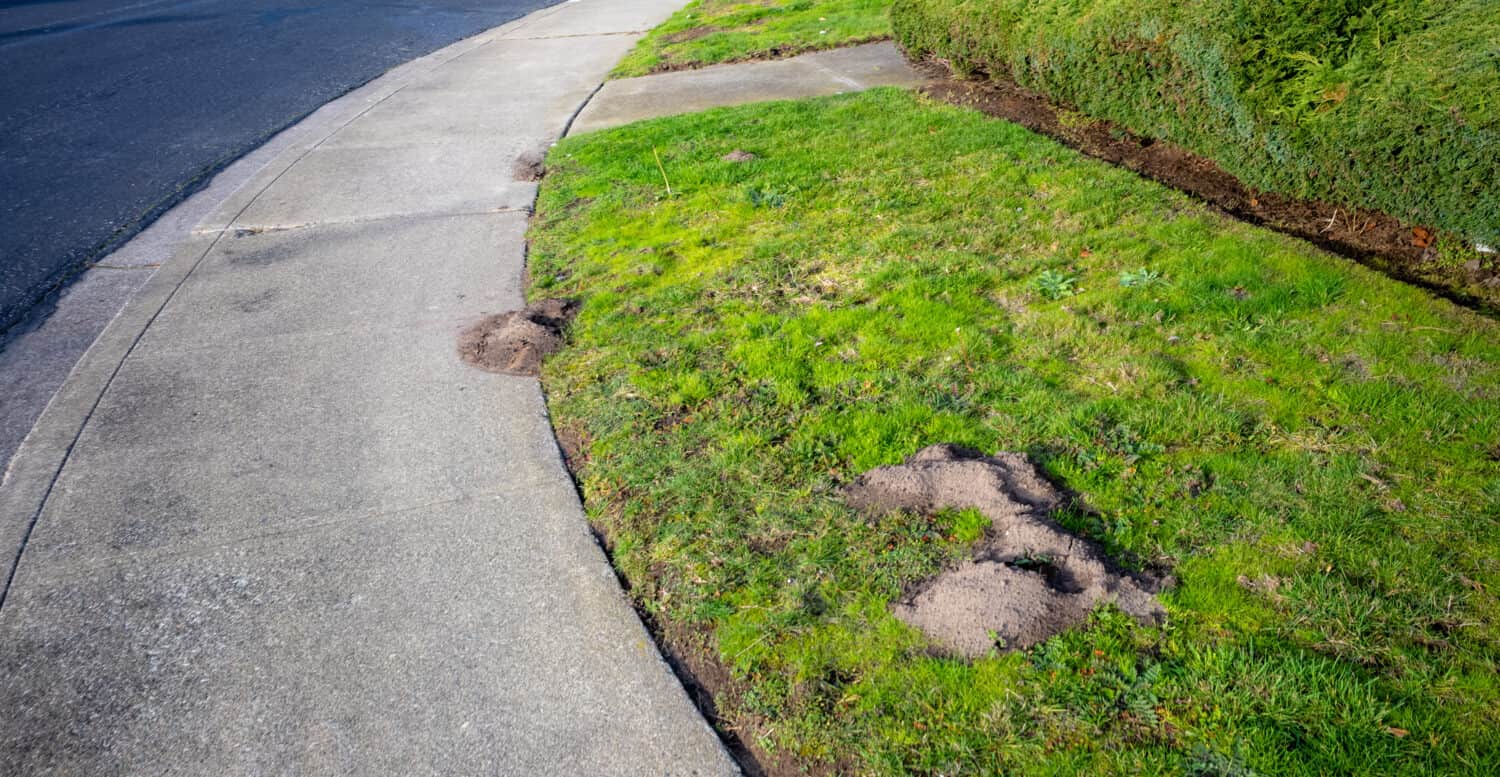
x,y
766,198
1141,278
1212,763
1054,285
1274,415
968,526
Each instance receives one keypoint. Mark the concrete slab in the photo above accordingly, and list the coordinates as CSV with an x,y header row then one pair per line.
x,y
188,448
352,184
428,272
811,75
587,18
458,119
521,66
462,638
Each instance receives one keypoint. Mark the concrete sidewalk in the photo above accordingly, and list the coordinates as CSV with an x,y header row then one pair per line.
x,y
820,73
273,525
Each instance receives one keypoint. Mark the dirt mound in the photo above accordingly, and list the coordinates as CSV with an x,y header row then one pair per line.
x,y
515,343
738,156
529,166
1030,578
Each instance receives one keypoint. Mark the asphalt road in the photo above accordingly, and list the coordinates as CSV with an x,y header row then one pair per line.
x,y
111,111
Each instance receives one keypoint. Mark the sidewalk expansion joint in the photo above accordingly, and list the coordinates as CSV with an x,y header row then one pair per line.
x,y
579,35
837,76
301,525
251,230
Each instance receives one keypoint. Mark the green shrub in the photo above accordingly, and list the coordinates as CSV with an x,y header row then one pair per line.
x,y
1385,104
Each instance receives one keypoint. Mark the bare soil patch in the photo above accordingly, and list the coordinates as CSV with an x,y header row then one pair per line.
x,y
738,156
515,343
1406,252
691,34
530,166
1029,579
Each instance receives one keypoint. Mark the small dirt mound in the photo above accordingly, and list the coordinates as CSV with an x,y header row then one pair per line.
x,y
515,343
738,156
1029,579
529,166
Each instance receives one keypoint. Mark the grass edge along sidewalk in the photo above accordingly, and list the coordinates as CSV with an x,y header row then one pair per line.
x,y
708,32
1310,447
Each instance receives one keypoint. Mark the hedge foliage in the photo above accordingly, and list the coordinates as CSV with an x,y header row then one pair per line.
x,y
1385,104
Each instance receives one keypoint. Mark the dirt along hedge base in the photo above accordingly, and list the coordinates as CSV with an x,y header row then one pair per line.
x,y
1307,446
1386,106
1375,239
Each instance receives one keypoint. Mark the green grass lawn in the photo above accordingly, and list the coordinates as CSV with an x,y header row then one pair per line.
x,y
706,32
1311,448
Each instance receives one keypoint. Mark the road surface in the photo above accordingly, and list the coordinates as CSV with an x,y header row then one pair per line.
x,y
111,111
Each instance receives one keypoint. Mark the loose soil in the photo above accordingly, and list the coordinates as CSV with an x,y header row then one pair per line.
x,y
1029,579
515,343
530,166
1406,252
690,34
738,156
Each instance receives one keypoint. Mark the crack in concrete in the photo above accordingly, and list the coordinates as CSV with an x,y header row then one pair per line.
x,y
837,76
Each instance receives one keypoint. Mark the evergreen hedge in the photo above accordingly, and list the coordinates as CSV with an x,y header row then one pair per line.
x,y
1385,104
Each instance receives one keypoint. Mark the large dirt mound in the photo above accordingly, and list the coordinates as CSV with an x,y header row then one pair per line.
x,y
1029,579
515,343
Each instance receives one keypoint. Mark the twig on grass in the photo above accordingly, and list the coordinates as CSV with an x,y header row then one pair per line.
x,y
663,171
